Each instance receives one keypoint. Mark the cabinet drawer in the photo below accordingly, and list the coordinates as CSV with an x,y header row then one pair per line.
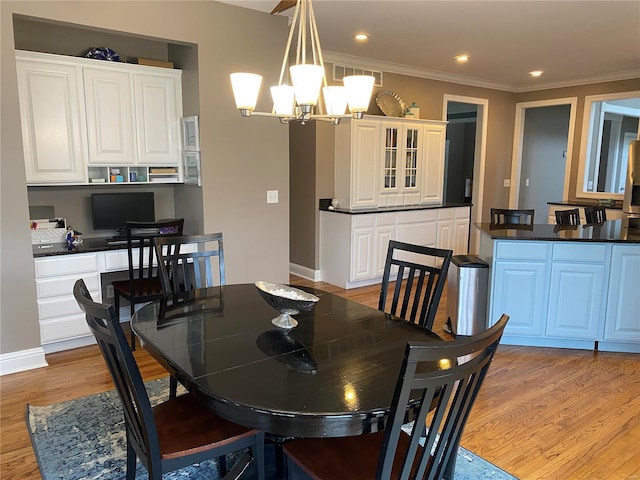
x,y
446,213
363,221
385,219
66,265
580,252
61,306
417,216
522,250
64,328
53,287
462,212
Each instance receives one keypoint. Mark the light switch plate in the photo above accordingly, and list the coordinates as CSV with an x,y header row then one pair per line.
x,y
507,182
272,196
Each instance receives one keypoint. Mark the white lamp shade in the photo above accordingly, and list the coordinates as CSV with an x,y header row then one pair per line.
x,y
306,79
335,100
359,88
282,99
246,87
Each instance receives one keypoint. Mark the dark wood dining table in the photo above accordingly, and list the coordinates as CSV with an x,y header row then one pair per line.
x,y
333,375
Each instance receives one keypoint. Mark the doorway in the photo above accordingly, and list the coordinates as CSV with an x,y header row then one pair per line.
x,y
464,179
543,141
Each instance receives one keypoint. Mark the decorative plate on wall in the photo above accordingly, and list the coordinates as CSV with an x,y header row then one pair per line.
x,y
390,104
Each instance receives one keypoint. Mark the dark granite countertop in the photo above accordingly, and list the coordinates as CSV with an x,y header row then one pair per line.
x,y
400,208
610,231
96,244
587,203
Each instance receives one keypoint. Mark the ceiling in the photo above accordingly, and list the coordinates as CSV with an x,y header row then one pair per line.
x,y
573,42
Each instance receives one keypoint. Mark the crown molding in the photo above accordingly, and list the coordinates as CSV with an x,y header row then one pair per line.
x,y
390,67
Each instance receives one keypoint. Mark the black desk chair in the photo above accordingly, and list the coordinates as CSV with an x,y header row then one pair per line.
x,y
143,284
595,214
173,434
450,392
502,216
419,274
568,217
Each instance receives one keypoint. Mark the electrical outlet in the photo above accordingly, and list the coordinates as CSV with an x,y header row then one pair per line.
x,y
507,182
526,182
109,291
272,196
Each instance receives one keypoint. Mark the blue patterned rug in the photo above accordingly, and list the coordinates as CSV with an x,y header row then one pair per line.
x,y
84,439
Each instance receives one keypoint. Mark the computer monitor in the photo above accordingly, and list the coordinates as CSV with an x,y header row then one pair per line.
x,y
112,211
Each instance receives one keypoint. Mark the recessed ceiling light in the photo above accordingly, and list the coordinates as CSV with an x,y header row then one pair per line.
x,y
536,73
462,58
361,37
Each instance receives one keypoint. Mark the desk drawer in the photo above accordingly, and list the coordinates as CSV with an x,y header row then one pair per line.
x,y
61,306
64,328
54,287
66,265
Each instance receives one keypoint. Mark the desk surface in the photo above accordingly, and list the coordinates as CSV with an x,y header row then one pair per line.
x,y
333,375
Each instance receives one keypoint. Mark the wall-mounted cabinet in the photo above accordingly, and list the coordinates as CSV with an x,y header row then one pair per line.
x,y
109,116
387,162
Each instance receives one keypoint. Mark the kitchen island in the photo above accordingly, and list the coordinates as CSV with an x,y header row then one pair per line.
x,y
572,287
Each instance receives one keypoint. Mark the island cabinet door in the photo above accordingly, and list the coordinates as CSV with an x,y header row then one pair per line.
x,y
519,291
575,300
622,319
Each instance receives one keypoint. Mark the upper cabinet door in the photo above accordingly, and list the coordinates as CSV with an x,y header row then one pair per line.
x,y
53,125
156,119
110,118
433,163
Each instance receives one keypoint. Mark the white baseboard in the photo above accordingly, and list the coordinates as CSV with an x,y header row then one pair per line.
x,y
22,360
305,272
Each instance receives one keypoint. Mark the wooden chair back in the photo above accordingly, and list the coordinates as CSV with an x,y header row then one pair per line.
x,y
185,271
568,217
502,216
595,214
452,391
418,275
139,421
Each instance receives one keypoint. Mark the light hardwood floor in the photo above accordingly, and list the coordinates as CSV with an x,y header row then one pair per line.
x,y
542,413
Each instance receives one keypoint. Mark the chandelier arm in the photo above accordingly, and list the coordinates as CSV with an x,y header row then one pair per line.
x,y
285,59
316,49
303,30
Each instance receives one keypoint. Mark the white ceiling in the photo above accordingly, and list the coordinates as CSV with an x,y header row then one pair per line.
x,y
573,42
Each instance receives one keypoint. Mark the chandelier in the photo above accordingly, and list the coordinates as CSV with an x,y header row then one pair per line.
x,y
299,101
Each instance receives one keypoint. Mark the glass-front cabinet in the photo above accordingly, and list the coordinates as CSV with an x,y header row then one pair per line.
x,y
402,152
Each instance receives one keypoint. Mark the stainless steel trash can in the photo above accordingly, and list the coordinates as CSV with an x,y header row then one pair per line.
x,y
467,284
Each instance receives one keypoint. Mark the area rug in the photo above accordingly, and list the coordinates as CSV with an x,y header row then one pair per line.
x,y
84,439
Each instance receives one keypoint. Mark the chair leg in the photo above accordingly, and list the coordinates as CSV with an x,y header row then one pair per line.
x,y
222,465
173,387
258,455
131,461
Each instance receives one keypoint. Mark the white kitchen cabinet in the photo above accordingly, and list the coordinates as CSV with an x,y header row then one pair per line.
x,y
387,162
52,120
434,136
576,288
453,229
110,117
112,122
62,323
353,247
622,317
157,118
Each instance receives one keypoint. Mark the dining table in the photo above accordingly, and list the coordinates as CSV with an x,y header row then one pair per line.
x,y
333,375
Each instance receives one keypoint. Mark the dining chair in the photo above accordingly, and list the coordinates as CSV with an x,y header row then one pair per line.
x,y
595,214
182,272
429,450
418,275
174,434
143,284
502,216
568,217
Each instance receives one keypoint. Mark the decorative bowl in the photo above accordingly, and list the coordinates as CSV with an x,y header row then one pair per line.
x,y
287,300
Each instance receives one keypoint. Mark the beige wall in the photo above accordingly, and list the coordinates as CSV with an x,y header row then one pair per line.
x,y
242,158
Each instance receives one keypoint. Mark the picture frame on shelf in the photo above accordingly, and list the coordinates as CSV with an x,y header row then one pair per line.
x,y
190,134
191,163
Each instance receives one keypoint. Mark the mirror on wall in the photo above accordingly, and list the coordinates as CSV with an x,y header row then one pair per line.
x,y
612,123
